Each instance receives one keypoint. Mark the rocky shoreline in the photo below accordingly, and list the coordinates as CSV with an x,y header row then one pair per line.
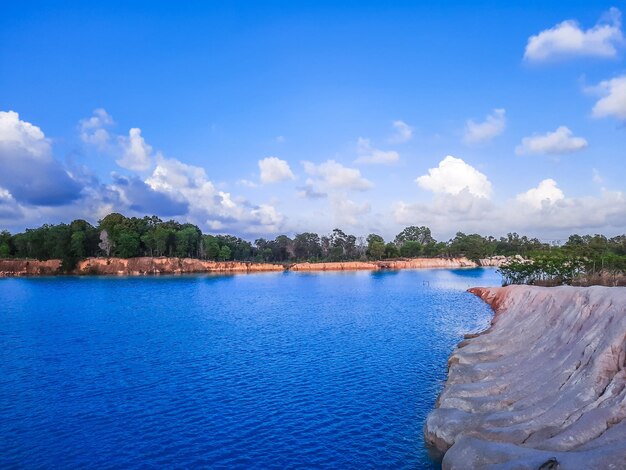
x,y
164,265
543,387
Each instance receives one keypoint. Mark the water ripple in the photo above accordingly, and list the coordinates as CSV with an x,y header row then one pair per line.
x,y
331,370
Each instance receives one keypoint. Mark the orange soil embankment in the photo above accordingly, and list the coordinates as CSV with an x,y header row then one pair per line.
x,y
427,263
409,263
27,267
162,265
335,266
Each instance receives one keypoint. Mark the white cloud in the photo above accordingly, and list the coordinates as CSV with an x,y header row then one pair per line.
x,y
403,133
23,135
481,132
265,219
208,205
136,153
597,177
567,39
308,191
28,170
247,183
447,213
9,207
613,103
544,209
347,212
331,175
546,193
274,170
93,129
453,176
368,154
558,142
175,188
566,214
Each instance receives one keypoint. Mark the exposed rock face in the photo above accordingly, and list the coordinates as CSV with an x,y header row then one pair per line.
x,y
164,265
409,263
149,265
23,267
546,381
424,263
347,266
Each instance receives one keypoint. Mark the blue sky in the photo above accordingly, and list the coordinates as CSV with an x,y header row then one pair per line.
x,y
351,109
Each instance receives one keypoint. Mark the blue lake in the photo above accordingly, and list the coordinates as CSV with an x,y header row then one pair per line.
x,y
273,370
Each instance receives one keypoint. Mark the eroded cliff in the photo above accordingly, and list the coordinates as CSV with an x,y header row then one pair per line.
x,y
426,263
24,267
543,387
334,266
133,266
165,265
148,265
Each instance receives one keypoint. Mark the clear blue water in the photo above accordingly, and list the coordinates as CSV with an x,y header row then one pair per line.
x,y
324,370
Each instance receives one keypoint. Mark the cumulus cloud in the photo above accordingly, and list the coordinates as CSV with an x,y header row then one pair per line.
x,y
331,175
446,212
347,212
136,153
247,183
265,218
544,208
369,154
453,176
481,132
23,135
9,208
596,176
560,141
142,198
565,214
29,171
402,133
613,101
568,39
308,191
546,193
274,170
93,130
35,188
207,205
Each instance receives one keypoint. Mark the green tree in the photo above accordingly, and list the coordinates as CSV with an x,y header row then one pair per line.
x,y
78,243
375,246
211,247
307,246
5,244
413,233
224,253
391,250
410,249
376,250
128,244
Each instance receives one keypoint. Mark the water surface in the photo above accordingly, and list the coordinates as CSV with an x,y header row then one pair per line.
x,y
272,370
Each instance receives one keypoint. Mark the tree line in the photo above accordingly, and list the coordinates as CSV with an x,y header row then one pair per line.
x,y
128,237
588,259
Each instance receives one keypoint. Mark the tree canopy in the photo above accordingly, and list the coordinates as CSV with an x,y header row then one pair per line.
x,y
128,237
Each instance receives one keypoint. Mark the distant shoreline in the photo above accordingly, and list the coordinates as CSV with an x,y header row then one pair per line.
x,y
168,265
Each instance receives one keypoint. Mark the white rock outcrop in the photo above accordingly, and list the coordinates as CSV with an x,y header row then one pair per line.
x,y
543,388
